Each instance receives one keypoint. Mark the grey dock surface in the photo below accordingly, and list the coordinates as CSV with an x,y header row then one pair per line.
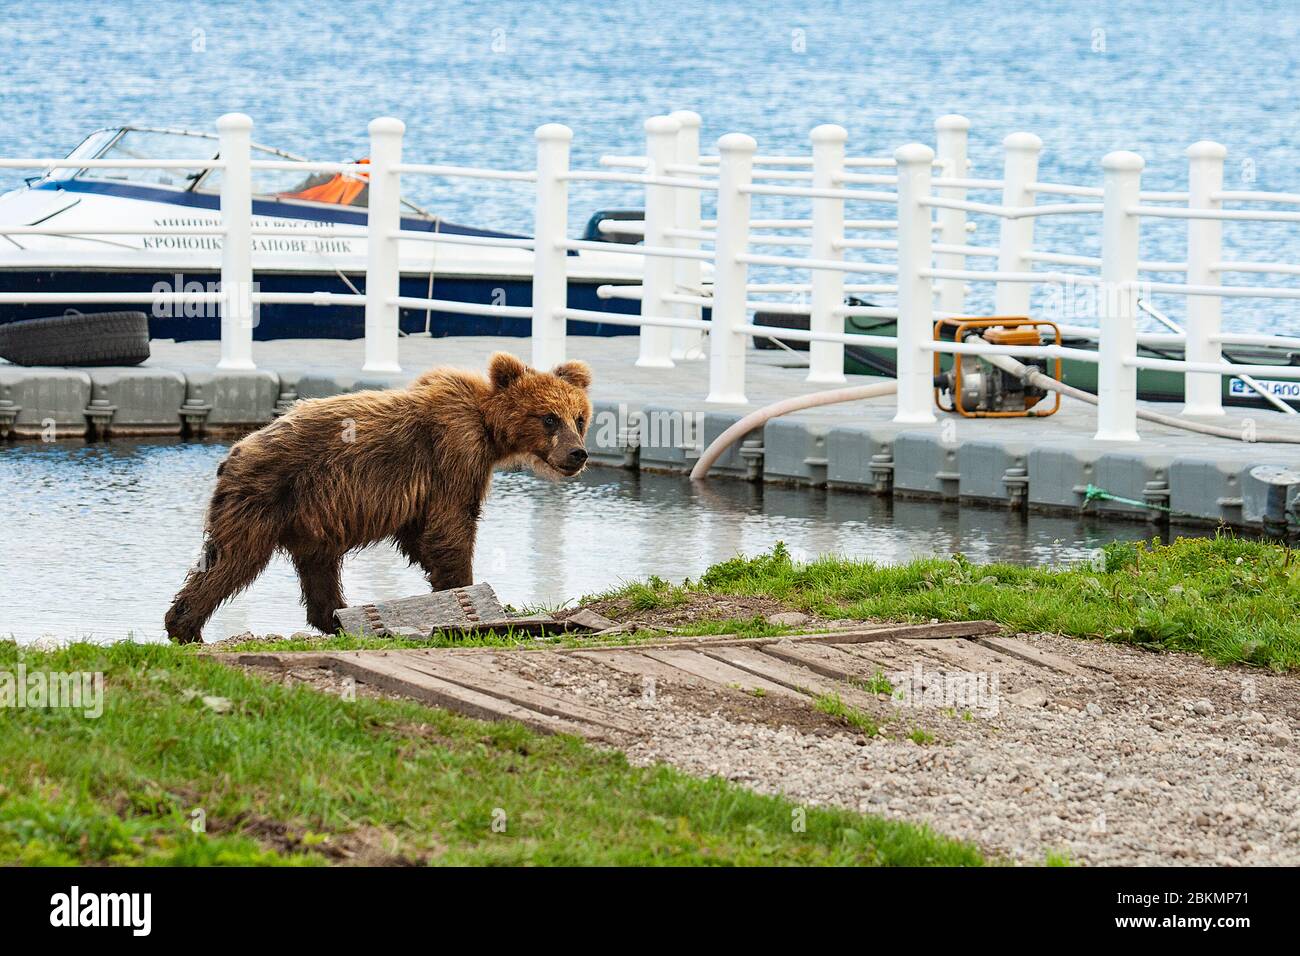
x,y
659,419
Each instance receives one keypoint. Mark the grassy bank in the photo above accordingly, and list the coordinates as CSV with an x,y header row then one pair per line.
x,y
193,761
270,775
1232,601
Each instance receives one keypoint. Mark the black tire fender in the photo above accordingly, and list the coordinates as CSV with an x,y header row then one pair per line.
x,y
100,338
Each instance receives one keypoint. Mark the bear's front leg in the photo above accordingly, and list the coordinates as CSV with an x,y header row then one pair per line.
x,y
446,549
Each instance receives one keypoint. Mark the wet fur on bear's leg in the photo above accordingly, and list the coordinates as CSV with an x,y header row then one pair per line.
x,y
447,551
226,570
322,588
442,547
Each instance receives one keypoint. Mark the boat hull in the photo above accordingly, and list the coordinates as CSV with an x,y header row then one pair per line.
x,y
202,321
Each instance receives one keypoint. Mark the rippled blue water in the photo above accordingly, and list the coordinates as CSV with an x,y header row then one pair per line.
x,y
473,80
95,539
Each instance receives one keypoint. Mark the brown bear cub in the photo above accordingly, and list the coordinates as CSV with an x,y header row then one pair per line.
x,y
411,465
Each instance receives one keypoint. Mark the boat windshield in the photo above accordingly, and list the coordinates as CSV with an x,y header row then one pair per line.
x,y
90,147
155,144
148,143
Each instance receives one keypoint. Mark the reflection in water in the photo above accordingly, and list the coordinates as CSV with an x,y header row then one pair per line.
x,y
95,539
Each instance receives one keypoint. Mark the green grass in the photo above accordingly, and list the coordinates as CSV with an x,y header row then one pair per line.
x,y
756,626
652,594
831,705
291,775
738,627
1230,600
877,683
1227,599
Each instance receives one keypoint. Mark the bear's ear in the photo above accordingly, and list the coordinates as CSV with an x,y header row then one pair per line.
x,y
504,370
575,373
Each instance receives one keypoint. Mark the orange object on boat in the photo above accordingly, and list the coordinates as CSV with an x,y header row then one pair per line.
x,y
339,189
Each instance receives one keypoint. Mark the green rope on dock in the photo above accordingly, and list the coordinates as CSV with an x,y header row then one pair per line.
x,y
1093,493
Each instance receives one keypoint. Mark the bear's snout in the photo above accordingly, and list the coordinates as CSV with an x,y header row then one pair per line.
x,y
575,461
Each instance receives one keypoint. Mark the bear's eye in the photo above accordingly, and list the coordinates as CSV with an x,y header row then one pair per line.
x,y
551,421
581,423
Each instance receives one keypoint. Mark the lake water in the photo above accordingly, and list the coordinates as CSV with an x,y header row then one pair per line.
x,y
96,538
473,80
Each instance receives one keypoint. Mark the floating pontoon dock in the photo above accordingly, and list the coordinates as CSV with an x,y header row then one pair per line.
x,y
656,418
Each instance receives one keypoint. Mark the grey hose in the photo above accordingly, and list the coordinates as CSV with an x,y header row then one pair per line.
x,y
1025,372
1036,378
784,407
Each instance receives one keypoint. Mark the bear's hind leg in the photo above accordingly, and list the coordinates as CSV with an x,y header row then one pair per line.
x,y
322,591
226,570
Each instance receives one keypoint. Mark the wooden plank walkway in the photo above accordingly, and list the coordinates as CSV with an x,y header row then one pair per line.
x,y
479,682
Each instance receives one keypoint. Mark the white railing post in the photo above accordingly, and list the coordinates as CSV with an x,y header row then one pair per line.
x,y
1203,391
658,271
915,287
688,344
950,137
1117,299
1016,237
550,230
234,131
730,274
383,220
826,359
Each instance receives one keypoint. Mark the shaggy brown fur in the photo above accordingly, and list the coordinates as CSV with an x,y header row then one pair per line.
x,y
412,465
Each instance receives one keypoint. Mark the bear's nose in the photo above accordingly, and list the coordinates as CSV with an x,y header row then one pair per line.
x,y
578,455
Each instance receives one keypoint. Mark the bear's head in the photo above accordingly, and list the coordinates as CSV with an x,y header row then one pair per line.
x,y
540,419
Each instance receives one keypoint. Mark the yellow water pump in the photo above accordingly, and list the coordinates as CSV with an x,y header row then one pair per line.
x,y
974,387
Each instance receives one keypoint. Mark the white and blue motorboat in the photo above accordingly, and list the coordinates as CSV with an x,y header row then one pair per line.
x,y
75,199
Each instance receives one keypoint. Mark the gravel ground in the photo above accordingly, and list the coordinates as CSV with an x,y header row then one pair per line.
x,y
1143,759
1149,759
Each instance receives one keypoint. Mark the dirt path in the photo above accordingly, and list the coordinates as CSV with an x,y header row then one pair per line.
x,y
1115,756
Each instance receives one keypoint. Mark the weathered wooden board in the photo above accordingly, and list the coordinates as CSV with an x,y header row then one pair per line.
x,y
824,659
459,608
867,635
482,682
282,661
898,632
794,676
485,675
390,672
971,656
888,655
715,671
1027,652
638,665
468,609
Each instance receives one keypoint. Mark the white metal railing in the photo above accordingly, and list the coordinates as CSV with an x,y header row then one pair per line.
x,y
690,263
